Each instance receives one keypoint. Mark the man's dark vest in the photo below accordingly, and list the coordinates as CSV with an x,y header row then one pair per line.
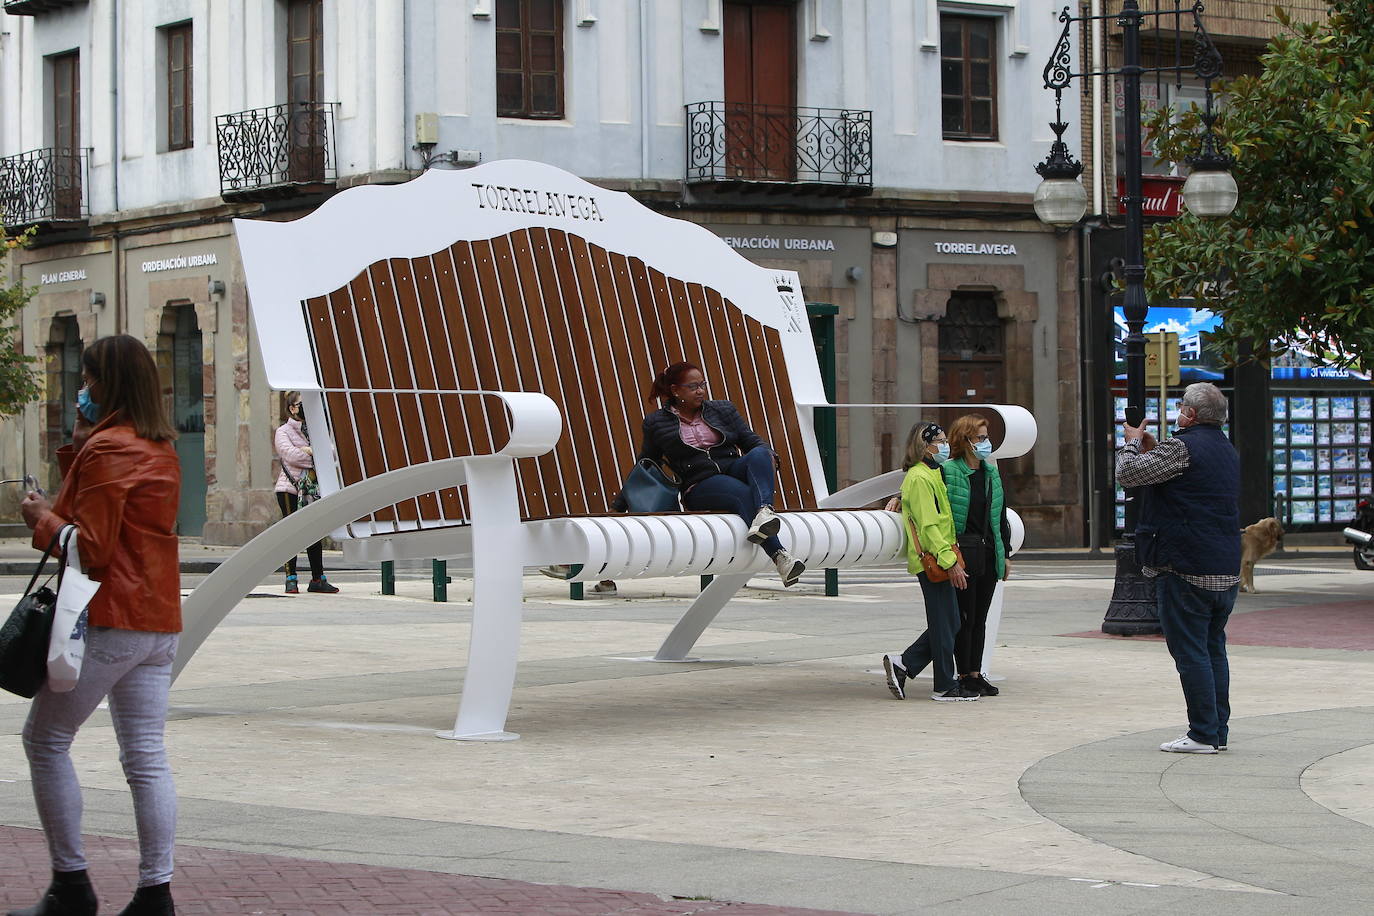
x,y
1191,524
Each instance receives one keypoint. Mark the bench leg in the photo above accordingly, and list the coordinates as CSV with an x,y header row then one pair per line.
x,y
698,617
497,598
993,625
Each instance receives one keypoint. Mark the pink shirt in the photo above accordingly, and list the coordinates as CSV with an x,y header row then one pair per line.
x,y
697,432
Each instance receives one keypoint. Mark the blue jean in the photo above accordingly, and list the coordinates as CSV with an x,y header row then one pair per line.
x,y
936,645
745,486
1194,624
134,669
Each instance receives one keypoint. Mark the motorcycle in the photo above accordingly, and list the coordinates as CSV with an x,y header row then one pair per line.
x,y
1360,532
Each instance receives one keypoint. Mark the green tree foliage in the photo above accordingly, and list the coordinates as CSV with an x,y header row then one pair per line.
x,y
1294,264
18,374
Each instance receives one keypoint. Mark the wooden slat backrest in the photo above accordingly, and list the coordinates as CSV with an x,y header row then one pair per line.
x,y
542,310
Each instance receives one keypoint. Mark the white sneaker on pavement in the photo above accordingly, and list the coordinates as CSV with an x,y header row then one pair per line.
x,y
1185,745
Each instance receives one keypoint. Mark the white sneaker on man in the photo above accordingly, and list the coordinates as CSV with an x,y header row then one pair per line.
x,y
1185,745
789,567
764,526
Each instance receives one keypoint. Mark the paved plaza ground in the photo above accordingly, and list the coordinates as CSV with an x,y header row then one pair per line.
x,y
775,776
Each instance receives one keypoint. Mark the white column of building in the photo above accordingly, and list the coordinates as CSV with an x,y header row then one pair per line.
x,y
390,85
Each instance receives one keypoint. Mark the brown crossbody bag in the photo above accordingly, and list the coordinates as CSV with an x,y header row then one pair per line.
x,y
929,564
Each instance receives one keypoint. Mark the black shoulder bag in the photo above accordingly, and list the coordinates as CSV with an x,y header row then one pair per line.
x,y
25,635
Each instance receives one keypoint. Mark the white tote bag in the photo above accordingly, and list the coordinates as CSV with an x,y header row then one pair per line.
x,y
67,647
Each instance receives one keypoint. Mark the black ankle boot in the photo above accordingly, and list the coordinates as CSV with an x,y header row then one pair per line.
x,y
70,894
155,900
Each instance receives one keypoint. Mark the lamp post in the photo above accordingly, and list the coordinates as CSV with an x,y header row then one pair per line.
x,y
1060,200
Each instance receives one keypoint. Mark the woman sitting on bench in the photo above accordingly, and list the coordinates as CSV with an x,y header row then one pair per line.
x,y
722,465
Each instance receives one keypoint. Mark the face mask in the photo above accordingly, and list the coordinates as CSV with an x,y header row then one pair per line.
x,y
982,449
89,409
941,453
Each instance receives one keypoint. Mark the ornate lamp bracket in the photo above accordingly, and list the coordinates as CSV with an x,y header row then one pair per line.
x,y
1060,162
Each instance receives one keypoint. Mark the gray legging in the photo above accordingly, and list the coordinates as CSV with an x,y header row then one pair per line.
x,y
134,669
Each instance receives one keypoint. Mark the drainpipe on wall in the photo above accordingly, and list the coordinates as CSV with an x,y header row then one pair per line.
x,y
1090,396
645,76
1099,34
118,292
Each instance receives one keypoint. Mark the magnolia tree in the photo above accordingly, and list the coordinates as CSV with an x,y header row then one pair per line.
x,y
18,373
1291,267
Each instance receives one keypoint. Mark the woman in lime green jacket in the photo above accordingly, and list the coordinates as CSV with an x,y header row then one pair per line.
x,y
926,512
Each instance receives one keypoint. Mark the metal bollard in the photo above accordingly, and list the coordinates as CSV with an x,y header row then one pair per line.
x,y
388,577
441,579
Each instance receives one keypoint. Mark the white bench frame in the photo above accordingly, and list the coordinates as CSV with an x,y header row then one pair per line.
x,y
287,263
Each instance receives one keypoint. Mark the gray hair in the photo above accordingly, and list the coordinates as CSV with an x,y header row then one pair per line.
x,y
1207,401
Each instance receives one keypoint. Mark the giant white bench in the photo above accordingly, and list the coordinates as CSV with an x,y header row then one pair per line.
x,y
473,350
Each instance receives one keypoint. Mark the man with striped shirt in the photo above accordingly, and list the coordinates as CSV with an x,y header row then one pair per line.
x,y
1188,541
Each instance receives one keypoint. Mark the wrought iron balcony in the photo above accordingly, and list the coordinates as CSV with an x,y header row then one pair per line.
x,y
731,144
36,7
44,187
278,151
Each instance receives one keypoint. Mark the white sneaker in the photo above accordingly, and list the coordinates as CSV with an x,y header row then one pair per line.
x,y
605,588
558,571
1185,745
789,567
765,525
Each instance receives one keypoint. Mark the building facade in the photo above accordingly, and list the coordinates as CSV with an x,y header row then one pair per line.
x,y
882,148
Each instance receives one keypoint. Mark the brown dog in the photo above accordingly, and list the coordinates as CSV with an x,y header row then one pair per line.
x,y
1257,541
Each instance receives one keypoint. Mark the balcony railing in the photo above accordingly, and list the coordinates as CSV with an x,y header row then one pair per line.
x,y
44,187
35,7
735,143
277,151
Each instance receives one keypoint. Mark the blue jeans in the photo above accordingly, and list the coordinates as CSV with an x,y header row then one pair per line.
x,y
936,645
1194,624
745,486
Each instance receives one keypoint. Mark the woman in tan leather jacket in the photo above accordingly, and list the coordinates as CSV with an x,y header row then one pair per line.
x,y
121,486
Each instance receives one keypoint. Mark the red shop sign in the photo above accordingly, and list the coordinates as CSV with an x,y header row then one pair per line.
x,y
1163,195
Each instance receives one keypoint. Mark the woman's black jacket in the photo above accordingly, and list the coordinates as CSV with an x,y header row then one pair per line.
x,y
663,442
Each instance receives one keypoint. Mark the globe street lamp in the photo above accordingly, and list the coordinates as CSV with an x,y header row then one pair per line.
x,y
1061,201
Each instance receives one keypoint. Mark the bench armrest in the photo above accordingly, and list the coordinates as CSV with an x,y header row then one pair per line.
x,y
535,423
1020,424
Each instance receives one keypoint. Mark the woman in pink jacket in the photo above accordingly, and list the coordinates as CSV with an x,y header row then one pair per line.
x,y
297,458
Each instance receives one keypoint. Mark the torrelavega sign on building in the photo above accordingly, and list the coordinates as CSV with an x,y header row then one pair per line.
x,y
992,248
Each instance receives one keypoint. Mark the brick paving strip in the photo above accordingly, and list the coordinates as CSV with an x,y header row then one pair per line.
x,y
217,882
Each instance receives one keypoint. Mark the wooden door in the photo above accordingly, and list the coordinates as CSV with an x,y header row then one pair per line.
x,y
66,122
306,128
972,357
760,90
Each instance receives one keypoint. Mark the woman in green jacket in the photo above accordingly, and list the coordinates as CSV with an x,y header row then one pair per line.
x,y
980,522
926,511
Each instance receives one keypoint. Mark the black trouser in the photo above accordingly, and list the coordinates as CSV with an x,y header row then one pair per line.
x,y
287,502
974,602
